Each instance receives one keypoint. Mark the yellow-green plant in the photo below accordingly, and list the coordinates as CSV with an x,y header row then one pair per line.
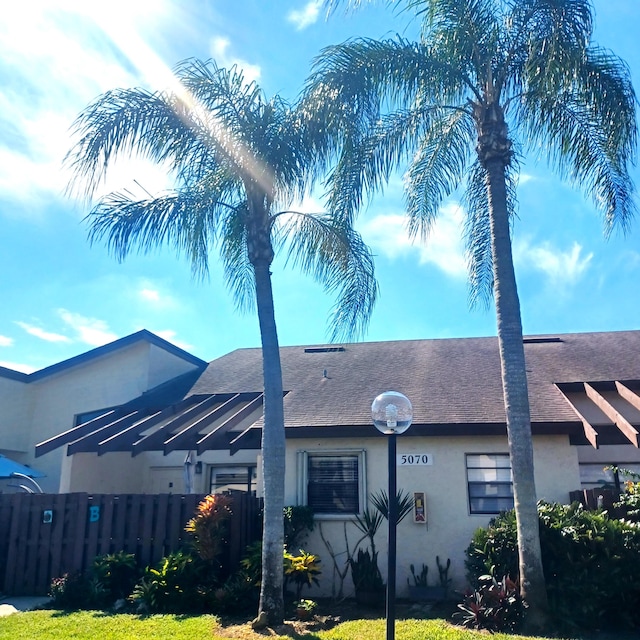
x,y
302,570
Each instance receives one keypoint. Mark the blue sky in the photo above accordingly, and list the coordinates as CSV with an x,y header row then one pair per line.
x,y
62,297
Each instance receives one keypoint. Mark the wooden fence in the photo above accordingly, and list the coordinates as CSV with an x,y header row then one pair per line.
x,y
43,536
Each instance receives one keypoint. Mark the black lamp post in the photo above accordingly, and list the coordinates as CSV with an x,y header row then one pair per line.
x,y
392,415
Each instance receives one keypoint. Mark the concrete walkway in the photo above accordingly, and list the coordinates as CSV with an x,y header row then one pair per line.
x,y
22,603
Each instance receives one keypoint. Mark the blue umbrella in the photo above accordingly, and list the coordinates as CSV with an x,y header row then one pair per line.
x,y
8,467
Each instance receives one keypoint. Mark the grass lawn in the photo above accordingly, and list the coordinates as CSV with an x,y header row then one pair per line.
x,y
92,625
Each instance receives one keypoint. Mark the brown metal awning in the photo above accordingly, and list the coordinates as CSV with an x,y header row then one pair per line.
x,y
222,421
609,410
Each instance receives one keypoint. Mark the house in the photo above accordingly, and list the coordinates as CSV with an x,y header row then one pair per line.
x,y
585,408
37,406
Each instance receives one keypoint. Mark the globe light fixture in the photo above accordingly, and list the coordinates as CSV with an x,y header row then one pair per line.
x,y
392,415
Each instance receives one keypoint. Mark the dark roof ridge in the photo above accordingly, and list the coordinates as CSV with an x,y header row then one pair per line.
x,y
120,343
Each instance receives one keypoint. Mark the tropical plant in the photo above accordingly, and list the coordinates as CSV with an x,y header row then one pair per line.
x,y
302,569
365,571
116,573
587,558
495,605
179,583
305,608
208,525
239,161
298,522
486,80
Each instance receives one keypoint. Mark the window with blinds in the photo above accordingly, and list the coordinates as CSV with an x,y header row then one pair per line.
x,y
233,478
332,483
489,482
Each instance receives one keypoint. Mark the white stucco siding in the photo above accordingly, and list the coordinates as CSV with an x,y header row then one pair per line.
x,y
14,414
449,525
164,365
149,472
105,381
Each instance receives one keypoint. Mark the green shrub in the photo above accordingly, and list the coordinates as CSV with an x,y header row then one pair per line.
x,y
590,562
298,522
180,583
114,576
70,591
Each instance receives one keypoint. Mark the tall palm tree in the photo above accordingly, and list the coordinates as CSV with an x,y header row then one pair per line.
x,y
487,80
239,161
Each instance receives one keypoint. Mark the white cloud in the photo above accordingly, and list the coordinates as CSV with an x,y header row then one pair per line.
x,y
5,342
170,336
17,366
151,295
220,51
561,267
443,248
47,336
90,331
61,54
308,15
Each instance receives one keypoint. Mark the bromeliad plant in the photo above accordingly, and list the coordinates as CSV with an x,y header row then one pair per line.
x,y
495,605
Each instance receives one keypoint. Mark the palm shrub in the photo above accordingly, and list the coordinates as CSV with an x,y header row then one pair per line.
x,y
591,563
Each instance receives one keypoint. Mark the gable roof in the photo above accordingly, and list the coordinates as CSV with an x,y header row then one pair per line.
x,y
454,385
98,352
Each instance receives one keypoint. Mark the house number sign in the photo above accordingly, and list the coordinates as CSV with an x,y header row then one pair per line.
x,y
414,459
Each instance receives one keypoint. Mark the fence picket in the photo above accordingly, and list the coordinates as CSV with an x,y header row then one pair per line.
x,y
34,549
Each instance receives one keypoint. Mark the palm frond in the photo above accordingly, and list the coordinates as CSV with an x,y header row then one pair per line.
x,y
589,132
337,258
180,220
404,504
438,167
238,270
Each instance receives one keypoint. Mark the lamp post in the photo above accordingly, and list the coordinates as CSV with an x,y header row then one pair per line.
x,y
392,415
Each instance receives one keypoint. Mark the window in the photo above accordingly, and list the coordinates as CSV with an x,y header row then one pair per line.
x,y
597,475
236,478
332,482
489,481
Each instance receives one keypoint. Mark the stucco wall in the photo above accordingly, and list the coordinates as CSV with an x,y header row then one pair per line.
x,y
149,472
53,402
14,414
450,526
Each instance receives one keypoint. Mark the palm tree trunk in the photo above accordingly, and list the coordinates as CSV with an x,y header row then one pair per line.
x,y
273,452
516,399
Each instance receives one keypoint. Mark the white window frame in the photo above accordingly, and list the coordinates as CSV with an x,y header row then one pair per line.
x,y
487,482
302,478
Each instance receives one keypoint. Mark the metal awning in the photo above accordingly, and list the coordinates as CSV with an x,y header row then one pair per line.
x,y
609,410
224,421
9,467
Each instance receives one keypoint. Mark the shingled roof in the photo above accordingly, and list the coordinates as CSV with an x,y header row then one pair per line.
x,y
454,385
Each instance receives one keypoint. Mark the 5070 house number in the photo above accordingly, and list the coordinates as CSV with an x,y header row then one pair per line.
x,y
414,459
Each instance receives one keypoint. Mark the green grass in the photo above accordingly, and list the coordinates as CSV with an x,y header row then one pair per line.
x,y
92,625
96,625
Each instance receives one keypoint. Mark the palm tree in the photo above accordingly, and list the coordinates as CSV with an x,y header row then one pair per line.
x,y
487,80
239,160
